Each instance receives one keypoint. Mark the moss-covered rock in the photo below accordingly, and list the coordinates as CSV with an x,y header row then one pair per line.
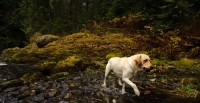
x,y
71,63
59,75
8,53
73,52
28,78
11,83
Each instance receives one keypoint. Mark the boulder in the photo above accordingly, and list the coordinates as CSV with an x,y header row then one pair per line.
x,y
43,40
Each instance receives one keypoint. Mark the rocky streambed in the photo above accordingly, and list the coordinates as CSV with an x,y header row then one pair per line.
x,y
82,87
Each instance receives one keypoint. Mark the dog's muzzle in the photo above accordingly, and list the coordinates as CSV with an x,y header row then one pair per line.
x,y
147,69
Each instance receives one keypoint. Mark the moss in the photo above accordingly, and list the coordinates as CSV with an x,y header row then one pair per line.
x,y
28,78
110,55
143,52
184,63
69,63
181,55
8,53
59,75
85,48
47,65
10,83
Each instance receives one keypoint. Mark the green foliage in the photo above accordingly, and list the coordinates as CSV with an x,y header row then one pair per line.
x,y
118,8
11,35
129,22
168,14
190,90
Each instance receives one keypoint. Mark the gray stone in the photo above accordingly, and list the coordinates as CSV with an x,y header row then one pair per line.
x,y
43,40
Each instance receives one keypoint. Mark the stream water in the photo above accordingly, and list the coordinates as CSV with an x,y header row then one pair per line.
x,y
80,87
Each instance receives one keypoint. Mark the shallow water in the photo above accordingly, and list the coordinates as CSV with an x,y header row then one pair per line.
x,y
81,87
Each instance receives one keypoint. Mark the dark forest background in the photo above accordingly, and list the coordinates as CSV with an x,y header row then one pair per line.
x,y
158,18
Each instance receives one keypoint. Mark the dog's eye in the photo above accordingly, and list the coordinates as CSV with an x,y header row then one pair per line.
x,y
145,60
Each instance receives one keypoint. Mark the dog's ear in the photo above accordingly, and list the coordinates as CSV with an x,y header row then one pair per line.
x,y
137,61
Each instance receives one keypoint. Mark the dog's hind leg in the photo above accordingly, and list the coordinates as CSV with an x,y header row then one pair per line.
x,y
123,88
107,72
120,81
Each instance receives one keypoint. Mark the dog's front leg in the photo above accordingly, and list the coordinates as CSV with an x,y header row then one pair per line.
x,y
137,92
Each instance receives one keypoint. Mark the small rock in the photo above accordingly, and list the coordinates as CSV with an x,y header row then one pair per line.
x,y
153,79
63,102
33,91
52,92
38,98
22,96
68,95
10,89
43,40
147,92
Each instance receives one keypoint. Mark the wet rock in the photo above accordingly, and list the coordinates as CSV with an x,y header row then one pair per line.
x,y
85,87
58,75
10,89
43,40
13,82
39,97
2,63
63,102
22,96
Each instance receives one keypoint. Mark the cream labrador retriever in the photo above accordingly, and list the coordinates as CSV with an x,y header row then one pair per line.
x,y
127,67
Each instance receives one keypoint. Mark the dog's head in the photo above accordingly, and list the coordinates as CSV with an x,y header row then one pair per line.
x,y
143,61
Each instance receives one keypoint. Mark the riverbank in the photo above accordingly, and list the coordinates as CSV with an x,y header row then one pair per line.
x,y
85,87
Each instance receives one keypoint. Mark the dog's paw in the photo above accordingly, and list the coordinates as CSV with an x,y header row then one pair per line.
x,y
120,84
137,92
123,92
103,85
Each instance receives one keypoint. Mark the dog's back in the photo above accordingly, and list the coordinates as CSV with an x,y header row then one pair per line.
x,y
117,64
